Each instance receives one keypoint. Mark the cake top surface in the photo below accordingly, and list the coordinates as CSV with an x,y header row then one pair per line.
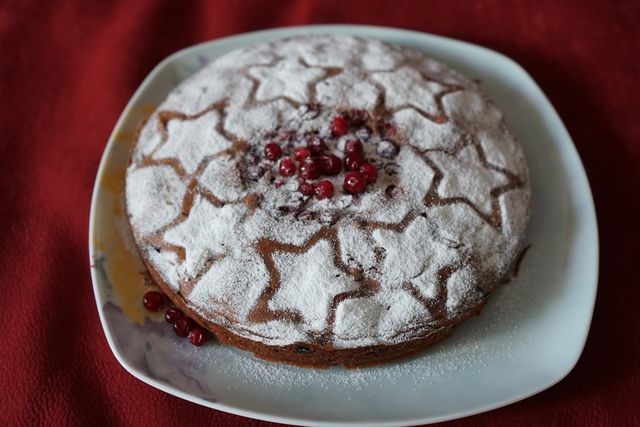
x,y
216,202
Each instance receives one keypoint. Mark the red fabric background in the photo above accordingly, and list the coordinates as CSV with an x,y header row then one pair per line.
x,y
66,71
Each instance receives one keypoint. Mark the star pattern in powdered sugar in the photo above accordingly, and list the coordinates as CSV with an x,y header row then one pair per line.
x,y
301,290
415,260
433,294
190,139
200,240
465,176
302,283
408,88
401,265
287,79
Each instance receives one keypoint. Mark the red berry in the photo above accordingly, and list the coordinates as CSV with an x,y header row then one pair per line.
x,y
339,125
173,314
353,161
324,189
370,172
316,145
355,182
182,326
307,188
272,151
152,300
309,169
353,146
330,164
301,153
287,167
197,336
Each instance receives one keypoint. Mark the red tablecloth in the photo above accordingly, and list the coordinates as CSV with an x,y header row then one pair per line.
x,y
67,70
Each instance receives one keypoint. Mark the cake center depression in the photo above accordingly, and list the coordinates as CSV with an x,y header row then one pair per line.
x,y
327,193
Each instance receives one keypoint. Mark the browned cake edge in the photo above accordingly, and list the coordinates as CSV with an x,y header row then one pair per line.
x,y
313,355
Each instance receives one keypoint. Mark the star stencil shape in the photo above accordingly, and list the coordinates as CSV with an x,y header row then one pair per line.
x,y
405,252
191,139
307,274
286,79
200,239
466,177
406,87
309,282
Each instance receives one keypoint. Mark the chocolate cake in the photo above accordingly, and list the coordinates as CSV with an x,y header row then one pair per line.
x,y
326,200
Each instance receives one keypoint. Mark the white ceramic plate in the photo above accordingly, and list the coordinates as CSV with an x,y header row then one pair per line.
x,y
529,337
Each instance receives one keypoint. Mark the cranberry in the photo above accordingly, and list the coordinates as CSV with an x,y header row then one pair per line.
x,y
272,151
301,153
316,145
173,314
370,172
152,300
324,189
353,161
182,326
197,336
330,164
355,182
287,167
309,169
353,146
339,125
307,188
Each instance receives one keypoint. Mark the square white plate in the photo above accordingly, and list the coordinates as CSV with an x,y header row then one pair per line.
x,y
528,338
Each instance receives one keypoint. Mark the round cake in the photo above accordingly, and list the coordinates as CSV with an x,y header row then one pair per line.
x,y
324,200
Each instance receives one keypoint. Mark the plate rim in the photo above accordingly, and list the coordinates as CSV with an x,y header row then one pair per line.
x,y
578,174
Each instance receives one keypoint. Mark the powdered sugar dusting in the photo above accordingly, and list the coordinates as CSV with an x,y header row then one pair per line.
x,y
451,190
466,176
300,289
214,294
425,134
222,178
359,95
288,79
408,253
154,197
191,140
407,86
247,123
208,231
168,265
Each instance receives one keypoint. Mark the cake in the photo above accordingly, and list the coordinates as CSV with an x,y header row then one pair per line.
x,y
323,200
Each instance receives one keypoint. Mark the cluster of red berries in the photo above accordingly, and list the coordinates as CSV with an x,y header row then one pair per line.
x,y
182,325
313,161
